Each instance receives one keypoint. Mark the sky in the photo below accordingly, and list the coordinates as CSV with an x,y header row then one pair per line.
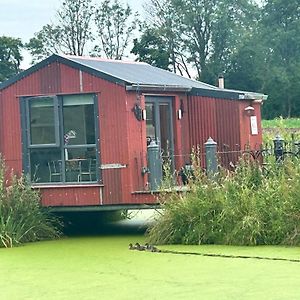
x,y
22,18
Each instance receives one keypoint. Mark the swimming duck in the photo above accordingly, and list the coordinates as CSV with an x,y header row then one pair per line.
x,y
151,248
139,247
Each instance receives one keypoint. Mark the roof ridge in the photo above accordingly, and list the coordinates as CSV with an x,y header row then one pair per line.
x,y
94,58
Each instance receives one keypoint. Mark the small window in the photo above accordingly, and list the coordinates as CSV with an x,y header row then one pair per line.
x,y
60,139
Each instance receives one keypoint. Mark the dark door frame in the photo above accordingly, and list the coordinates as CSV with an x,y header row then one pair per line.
x,y
156,101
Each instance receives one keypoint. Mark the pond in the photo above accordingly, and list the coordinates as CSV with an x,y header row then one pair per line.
x,y
100,266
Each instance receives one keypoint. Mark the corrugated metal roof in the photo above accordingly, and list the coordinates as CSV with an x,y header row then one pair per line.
x,y
136,75
139,73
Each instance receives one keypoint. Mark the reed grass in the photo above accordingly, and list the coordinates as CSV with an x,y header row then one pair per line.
x,y
250,206
22,219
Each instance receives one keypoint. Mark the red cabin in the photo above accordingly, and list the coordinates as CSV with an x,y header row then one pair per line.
x,y
79,127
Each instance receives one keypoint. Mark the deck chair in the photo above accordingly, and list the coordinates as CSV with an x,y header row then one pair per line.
x,y
87,170
55,171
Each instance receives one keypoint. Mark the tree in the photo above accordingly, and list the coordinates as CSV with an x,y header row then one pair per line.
x,y
162,21
268,60
235,22
10,56
247,67
280,25
115,25
69,34
152,49
201,33
45,42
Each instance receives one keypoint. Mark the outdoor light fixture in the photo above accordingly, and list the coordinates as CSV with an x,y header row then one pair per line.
x,y
249,110
179,114
138,112
144,114
180,110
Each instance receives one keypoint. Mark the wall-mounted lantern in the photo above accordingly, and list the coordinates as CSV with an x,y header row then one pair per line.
x,y
249,110
139,113
179,114
180,110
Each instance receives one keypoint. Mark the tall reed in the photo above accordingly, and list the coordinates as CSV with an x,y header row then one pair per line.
x,y
22,219
250,206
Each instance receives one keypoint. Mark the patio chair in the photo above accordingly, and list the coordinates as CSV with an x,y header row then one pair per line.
x,y
55,170
87,170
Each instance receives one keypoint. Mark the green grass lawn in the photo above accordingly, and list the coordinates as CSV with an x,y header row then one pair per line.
x,y
102,267
288,129
281,123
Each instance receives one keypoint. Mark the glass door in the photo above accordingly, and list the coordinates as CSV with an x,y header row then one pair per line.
x,y
159,127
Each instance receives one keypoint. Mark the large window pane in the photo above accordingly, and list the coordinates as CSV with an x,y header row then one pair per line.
x,y
78,114
42,121
61,139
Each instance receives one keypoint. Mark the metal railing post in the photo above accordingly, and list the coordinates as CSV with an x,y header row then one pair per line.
x,y
154,166
211,157
278,148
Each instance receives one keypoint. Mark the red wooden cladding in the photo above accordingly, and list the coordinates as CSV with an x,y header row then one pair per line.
x,y
113,188
71,196
50,79
202,120
227,124
10,124
70,80
215,118
145,198
136,143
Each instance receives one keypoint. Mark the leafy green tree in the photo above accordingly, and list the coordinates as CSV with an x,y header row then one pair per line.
x,y
268,60
151,48
247,67
69,34
115,25
204,34
280,27
45,42
10,56
233,25
162,22
212,31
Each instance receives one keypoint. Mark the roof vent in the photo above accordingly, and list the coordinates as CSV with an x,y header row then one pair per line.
x,y
221,81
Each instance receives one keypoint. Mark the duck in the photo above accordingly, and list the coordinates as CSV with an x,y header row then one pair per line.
x,y
151,248
139,247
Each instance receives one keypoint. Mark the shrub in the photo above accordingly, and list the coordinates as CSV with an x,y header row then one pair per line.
x,y
248,207
22,219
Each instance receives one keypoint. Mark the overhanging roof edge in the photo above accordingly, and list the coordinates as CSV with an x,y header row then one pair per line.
x,y
157,87
218,93
66,61
228,94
